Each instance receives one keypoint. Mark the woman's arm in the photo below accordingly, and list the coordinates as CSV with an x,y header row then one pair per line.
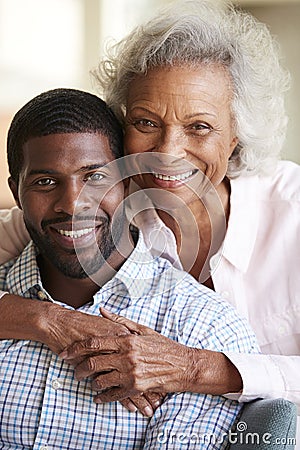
x,y
238,376
267,376
13,234
146,360
49,323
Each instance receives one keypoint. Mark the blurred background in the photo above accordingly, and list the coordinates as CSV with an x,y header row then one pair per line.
x,y
46,44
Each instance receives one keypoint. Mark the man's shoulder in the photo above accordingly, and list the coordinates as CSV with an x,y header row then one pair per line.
x,y
203,318
183,288
4,270
15,270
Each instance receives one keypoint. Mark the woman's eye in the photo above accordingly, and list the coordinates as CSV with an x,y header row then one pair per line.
x,y
144,125
201,127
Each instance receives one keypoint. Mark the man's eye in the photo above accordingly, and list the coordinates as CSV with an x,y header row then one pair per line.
x,y
45,182
95,177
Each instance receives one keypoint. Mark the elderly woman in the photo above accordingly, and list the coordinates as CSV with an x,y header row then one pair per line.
x,y
199,89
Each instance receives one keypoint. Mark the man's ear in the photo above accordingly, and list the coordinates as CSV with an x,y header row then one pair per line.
x,y
14,189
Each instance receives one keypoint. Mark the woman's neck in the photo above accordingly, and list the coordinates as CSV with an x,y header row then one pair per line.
x,y
200,229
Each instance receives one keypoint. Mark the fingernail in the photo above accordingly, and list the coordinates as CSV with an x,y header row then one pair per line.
x,y
63,354
157,403
132,408
148,412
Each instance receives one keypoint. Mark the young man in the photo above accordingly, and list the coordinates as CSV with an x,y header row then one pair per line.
x,y
62,148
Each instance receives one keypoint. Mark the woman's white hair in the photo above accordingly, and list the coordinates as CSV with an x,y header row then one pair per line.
x,y
189,33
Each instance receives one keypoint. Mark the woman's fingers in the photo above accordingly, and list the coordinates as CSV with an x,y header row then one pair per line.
x,y
133,327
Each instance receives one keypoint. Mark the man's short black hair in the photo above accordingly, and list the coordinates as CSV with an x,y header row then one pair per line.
x,y
61,111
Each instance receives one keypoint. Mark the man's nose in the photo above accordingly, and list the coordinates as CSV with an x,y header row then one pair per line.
x,y
72,198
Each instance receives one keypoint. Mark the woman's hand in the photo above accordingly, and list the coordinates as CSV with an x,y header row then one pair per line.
x,y
51,324
61,327
64,327
125,366
146,361
145,403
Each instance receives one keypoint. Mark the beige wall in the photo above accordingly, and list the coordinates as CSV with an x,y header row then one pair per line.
x,y
284,22
6,199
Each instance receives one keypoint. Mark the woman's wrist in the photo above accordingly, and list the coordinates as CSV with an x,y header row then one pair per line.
x,y
22,318
212,373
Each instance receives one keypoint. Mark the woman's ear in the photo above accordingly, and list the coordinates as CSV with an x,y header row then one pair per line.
x,y
14,189
234,143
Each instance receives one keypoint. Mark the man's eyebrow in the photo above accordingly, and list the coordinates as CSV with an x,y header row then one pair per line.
x,y
55,172
42,172
92,167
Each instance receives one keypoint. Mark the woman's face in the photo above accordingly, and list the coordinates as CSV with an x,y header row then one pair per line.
x,y
180,120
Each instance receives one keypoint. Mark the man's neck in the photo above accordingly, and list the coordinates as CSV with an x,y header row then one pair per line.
x,y
78,292
71,291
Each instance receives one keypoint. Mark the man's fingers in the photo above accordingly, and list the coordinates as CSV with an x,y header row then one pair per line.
x,y
145,403
132,326
98,364
135,402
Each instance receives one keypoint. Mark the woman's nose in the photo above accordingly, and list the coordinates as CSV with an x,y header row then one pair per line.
x,y
172,142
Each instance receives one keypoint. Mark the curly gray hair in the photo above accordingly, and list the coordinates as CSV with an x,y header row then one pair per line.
x,y
208,32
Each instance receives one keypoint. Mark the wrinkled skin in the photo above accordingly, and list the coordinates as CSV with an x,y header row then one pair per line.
x,y
66,327
145,361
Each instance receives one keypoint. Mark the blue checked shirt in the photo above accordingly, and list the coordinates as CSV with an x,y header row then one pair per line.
x,y
42,406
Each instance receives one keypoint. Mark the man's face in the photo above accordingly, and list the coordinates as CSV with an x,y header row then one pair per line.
x,y
69,199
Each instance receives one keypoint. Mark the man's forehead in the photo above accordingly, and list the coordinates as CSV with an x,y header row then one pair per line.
x,y
75,149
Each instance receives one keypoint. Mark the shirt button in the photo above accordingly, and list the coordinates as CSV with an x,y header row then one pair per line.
x,y
56,384
225,294
41,295
44,447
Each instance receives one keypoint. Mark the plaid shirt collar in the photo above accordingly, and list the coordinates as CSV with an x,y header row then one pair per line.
x,y
24,276
134,278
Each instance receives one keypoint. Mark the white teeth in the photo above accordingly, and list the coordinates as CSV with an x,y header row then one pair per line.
x,y
179,177
75,234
